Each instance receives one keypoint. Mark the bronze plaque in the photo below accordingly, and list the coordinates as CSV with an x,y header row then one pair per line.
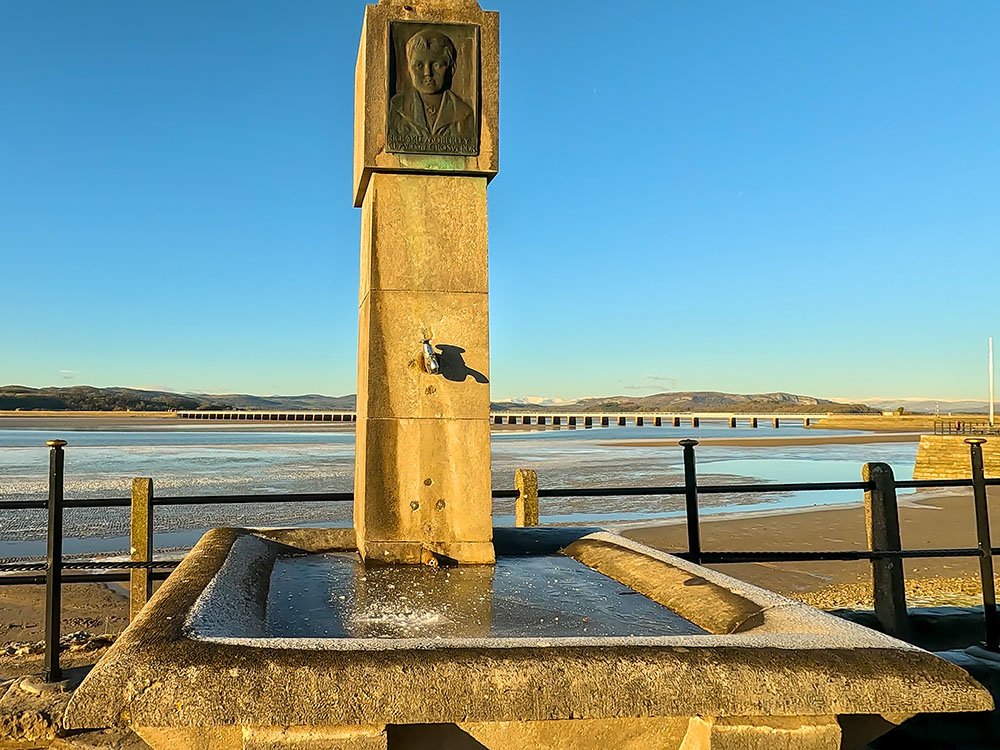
x,y
433,88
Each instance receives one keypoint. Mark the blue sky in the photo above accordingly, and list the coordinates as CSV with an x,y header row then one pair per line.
x,y
693,196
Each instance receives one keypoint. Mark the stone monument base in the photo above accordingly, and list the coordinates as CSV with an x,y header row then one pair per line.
x,y
201,666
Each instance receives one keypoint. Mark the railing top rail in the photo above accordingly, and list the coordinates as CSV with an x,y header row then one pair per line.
x,y
500,494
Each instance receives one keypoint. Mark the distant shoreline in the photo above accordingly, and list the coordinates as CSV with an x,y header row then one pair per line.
x,y
763,442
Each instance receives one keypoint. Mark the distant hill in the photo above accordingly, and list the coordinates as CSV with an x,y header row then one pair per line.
x,y
928,405
307,402
703,401
88,398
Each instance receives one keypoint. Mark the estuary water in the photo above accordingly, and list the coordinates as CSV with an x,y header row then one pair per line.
x,y
207,460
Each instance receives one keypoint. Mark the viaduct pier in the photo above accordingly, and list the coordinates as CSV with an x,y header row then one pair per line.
x,y
588,419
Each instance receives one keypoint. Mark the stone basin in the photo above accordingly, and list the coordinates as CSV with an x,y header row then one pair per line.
x,y
281,638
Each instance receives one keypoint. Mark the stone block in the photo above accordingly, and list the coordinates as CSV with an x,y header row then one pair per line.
x,y
663,733
425,483
391,379
424,232
314,738
763,733
192,738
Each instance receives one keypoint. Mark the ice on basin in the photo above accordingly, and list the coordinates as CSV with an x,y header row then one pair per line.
x,y
334,595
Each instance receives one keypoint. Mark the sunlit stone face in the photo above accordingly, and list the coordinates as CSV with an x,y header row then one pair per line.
x,y
430,70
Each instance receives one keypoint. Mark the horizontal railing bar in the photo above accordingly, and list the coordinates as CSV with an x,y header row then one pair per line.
x,y
317,497
609,491
841,555
249,499
92,565
717,489
79,578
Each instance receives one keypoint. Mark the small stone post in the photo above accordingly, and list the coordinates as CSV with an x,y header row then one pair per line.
x,y
882,526
526,506
140,579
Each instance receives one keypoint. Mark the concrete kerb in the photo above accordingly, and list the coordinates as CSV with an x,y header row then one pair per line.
x,y
797,661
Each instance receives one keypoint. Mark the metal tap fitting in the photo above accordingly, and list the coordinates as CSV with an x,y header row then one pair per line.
x,y
430,359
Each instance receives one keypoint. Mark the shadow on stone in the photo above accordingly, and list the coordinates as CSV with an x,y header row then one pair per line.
x,y
439,736
453,365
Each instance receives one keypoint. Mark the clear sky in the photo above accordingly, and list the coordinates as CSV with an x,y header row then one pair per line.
x,y
779,195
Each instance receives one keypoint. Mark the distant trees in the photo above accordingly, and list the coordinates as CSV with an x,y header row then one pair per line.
x,y
88,398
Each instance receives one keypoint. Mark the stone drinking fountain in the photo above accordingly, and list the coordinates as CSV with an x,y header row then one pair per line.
x,y
423,626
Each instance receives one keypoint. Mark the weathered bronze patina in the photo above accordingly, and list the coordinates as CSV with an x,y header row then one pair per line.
x,y
433,89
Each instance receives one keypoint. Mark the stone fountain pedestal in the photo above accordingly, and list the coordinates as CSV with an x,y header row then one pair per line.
x,y
426,106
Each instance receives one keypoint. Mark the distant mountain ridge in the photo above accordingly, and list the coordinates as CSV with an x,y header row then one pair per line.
x,y
89,398
704,401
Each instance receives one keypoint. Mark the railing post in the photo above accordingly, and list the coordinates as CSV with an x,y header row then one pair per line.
x,y
526,506
985,544
882,526
140,580
53,572
691,499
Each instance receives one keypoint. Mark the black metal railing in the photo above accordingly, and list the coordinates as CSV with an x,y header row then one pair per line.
x,y
961,426
51,571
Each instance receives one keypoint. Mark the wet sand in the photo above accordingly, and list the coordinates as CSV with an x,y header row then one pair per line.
x,y
930,519
766,442
91,607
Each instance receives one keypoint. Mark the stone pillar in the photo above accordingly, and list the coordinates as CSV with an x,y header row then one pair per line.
x,y
805,422
882,525
775,423
140,579
422,466
526,505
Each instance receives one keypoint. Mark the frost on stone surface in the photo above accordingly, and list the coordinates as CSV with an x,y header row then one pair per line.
x,y
230,604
